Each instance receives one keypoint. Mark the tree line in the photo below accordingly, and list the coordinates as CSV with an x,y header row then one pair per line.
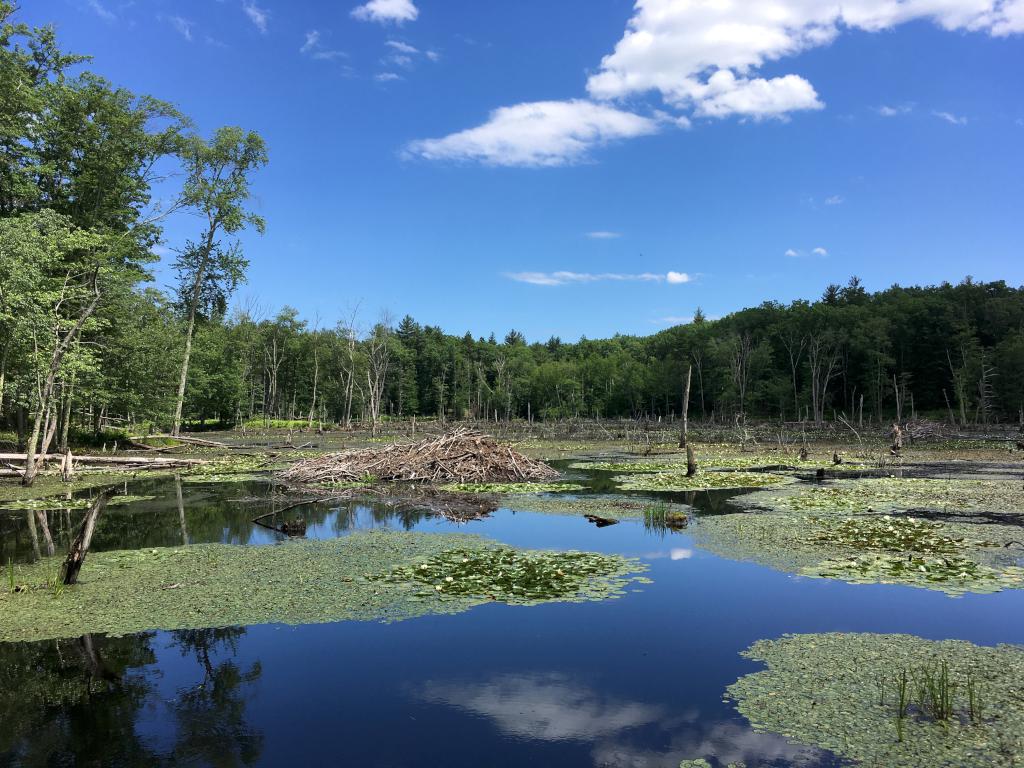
x,y
86,342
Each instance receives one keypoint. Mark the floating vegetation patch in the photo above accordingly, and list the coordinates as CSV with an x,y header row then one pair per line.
x,y
678,481
298,582
56,502
518,576
943,556
631,466
952,575
889,699
613,507
890,493
719,460
513,488
228,477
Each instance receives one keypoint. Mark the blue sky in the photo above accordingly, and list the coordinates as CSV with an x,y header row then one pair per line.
x,y
594,166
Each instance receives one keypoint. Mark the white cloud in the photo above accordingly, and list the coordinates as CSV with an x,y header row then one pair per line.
x,y
312,41
603,235
567,278
182,26
384,11
726,95
101,10
902,109
258,16
433,55
679,47
398,45
819,251
791,253
313,47
834,200
950,118
386,77
537,134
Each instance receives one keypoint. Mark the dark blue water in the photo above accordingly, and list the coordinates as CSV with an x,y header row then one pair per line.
x,y
633,682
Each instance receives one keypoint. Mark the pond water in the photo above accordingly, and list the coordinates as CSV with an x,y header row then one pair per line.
x,y
633,682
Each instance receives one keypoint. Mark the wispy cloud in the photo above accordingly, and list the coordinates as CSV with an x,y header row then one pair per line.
x,y
386,11
791,253
387,77
314,48
950,118
398,45
258,16
101,10
834,200
569,278
603,235
182,26
894,111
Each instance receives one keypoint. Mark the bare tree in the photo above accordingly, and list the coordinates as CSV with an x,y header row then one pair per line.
x,y
378,349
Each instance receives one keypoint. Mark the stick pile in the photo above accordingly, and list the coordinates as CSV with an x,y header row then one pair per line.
x,y
462,456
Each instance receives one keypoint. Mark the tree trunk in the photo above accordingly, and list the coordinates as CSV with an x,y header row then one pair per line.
x,y
80,546
193,304
686,407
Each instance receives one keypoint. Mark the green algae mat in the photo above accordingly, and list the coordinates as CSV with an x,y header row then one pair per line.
x,y
366,576
890,700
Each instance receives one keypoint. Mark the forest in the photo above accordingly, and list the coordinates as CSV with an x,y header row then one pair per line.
x,y
89,172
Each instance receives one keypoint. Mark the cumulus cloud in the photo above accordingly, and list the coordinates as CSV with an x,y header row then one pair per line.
x,y
819,251
950,118
398,45
791,253
537,134
702,55
387,11
701,59
567,278
258,16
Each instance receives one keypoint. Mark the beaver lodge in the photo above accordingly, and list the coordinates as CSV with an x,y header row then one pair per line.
x,y
461,456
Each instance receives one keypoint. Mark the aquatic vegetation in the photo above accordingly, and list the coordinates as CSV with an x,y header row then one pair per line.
x,y
631,466
942,556
518,576
613,507
889,699
678,481
952,575
892,493
57,502
514,488
719,459
299,582
659,516
228,477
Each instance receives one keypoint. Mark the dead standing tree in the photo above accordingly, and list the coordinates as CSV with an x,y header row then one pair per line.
x,y
378,348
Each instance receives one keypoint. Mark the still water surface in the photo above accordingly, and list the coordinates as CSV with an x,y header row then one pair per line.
x,y
632,682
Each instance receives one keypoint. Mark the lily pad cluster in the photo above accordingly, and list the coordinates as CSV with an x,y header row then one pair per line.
x,y
366,576
678,481
615,507
891,493
512,487
57,502
518,576
943,556
960,704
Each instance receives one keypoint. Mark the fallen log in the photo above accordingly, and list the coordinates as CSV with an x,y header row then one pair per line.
x,y
158,461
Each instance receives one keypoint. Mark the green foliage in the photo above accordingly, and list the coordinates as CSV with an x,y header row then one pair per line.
x,y
678,481
513,488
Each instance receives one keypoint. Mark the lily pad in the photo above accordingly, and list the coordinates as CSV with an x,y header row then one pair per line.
x,y
512,487
678,481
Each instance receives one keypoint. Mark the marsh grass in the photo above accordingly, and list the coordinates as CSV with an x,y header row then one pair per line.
x,y
929,692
